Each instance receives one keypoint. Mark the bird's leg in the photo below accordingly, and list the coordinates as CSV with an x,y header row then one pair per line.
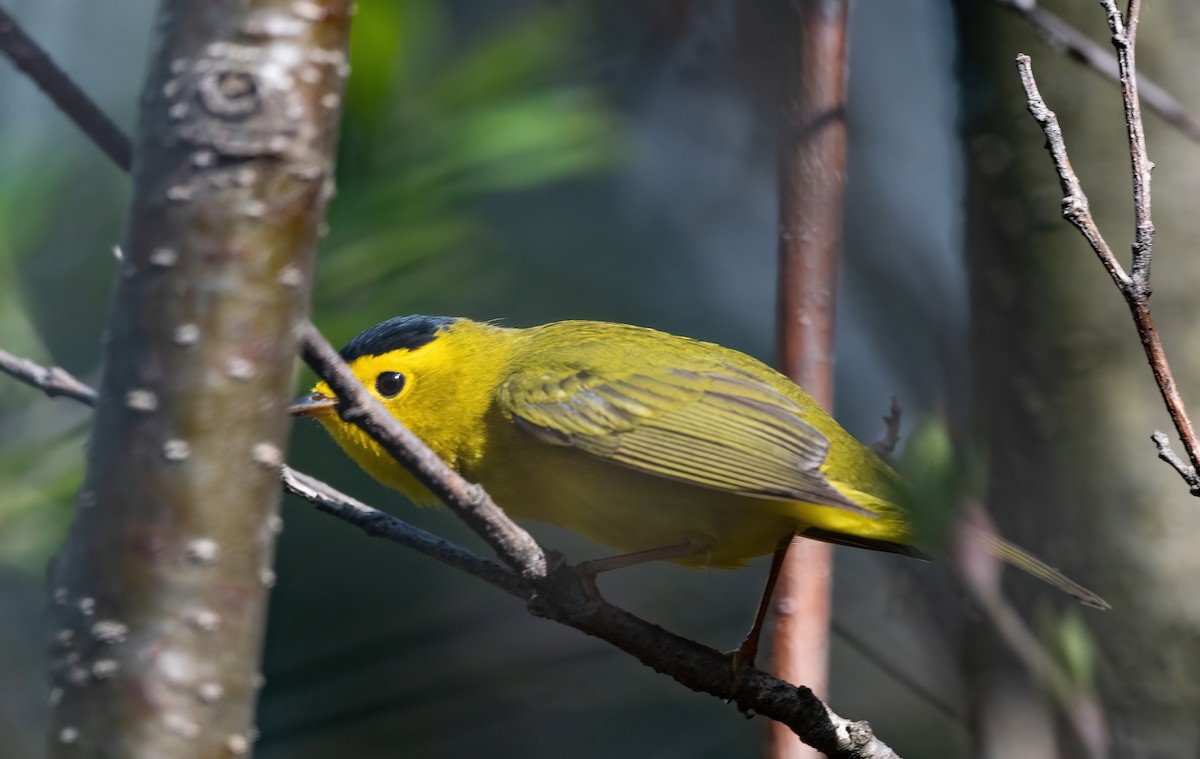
x,y
743,656
589,569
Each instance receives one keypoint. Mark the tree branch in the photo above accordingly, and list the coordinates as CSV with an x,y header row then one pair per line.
x,y
377,524
1065,38
27,56
1135,286
1075,208
54,381
559,596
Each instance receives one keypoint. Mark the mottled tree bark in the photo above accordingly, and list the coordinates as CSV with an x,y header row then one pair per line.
x,y
159,597
1066,402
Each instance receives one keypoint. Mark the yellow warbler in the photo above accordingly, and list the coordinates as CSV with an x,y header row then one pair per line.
x,y
659,446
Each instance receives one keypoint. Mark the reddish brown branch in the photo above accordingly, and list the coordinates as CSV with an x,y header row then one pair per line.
x,y
27,56
1134,286
812,181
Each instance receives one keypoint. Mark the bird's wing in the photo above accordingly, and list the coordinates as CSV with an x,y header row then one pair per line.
x,y
719,427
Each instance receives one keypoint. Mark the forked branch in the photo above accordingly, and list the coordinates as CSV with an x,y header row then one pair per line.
x,y
1133,285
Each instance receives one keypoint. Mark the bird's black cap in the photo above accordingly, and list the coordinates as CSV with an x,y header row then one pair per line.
x,y
409,332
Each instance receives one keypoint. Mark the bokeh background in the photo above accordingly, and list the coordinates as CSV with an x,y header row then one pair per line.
x,y
531,161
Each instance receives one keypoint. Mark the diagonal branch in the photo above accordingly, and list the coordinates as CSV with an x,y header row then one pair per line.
x,y
54,381
377,524
27,56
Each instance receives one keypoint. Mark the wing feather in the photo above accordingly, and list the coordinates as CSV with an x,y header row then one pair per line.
x,y
720,427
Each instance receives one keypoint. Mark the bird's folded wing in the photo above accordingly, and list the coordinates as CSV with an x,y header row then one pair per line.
x,y
719,427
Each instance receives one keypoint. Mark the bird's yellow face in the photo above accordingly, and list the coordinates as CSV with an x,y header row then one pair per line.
x,y
435,376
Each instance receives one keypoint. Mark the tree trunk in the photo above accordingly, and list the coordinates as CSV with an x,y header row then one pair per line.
x,y
159,597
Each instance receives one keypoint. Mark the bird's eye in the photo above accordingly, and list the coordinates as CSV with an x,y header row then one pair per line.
x,y
389,384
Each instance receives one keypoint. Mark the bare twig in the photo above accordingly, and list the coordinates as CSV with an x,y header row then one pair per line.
x,y
1075,206
377,524
891,435
1065,38
64,93
1134,286
1124,40
559,598
53,381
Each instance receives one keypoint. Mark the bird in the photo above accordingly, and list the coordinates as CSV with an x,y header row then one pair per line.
x,y
658,446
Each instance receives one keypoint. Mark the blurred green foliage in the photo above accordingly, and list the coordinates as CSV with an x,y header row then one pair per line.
x,y
1066,636
938,473
433,124
40,461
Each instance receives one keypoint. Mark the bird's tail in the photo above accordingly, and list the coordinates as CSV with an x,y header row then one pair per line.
x,y
1026,562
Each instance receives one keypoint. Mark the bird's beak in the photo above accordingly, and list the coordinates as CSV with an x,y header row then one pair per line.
x,y
313,404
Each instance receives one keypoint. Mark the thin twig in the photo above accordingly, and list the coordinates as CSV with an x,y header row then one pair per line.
x,y
1075,208
885,445
1124,40
377,524
27,56
560,598
1135,287
1063,37
892,670
53,381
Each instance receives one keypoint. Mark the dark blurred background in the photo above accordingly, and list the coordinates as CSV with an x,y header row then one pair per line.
x,y
533,161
